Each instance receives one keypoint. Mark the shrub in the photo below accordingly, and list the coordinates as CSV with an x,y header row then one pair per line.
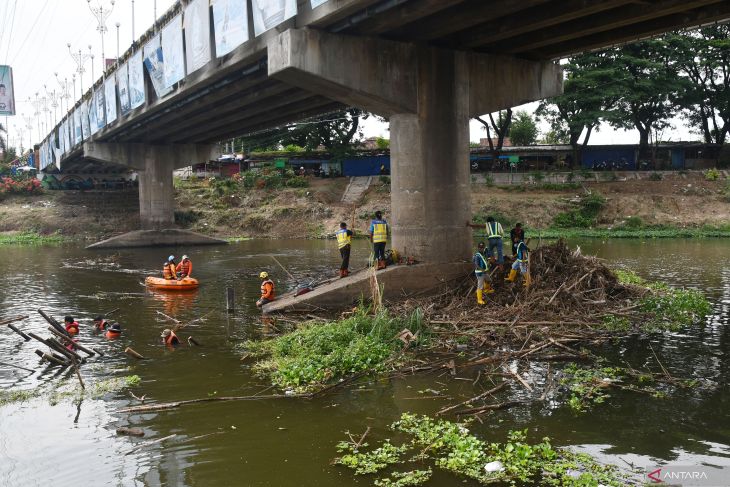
x,y
297,182
293,148
633,222
20,185
186,218
385,179
538,176
712,174
655,176
583,217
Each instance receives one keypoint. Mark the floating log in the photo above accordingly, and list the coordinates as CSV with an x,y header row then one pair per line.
x,y
134,354
193,341
77,345
50,358
16,330
53,322
10,320
59,347
130,431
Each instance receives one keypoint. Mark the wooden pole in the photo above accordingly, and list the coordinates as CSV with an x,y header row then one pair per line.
x,y
193,341
50,358
53,344
75,344
15,318
16,330
53,322
134,354
230,306
16,366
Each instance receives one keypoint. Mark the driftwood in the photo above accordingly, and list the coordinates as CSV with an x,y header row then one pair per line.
x,y
16,366
13,319
134,354
173,405
50,358
193,341
130,431
53,322
148,443
490,407
491,391
16,330
76,345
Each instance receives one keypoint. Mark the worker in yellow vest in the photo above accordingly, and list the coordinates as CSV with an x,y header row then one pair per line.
x,y
379,236
494,238
344,236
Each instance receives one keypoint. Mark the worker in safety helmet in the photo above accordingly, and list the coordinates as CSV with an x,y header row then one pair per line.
x,y
168,268
344,237
185,267
481,268
379,236
267,289
169,338
522,264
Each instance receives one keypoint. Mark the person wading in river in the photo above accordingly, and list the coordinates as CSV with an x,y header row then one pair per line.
x,y
185,267
100,324
267,290
169,338
379,236
168,269
72,327
344,236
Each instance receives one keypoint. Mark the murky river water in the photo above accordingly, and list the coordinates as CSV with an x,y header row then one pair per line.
x,y
291,442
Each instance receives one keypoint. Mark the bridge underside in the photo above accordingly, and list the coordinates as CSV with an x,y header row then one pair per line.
x,y
429,65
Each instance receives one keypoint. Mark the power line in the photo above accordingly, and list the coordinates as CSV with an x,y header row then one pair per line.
x,y
30,31
10,37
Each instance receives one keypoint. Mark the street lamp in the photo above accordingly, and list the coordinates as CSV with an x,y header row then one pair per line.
x,y
54,97
118,24
65,89
29,125
133,38
73,77
101,13
93,80
80,60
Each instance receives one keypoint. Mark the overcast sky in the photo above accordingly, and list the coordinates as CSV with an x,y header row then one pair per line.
x,y
33,40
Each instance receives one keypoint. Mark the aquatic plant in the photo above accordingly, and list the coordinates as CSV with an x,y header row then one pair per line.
x,y
671,309
320,353
69,389
451,447
589,386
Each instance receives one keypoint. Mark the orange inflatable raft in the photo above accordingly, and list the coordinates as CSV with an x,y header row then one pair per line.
x,y
185,284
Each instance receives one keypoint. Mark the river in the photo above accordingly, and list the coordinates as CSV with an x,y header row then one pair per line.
x,y
291,442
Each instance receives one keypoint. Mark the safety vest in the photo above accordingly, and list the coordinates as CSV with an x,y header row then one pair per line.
x,y
101,325
171,339
380,231
266,291
494,230
522,252
482,268
168,271
184,267
343,239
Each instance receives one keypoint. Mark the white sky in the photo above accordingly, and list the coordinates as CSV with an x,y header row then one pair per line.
x,y
34,35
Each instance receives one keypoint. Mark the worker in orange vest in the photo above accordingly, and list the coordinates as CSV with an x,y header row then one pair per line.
x,y
169,338
184,268
267,290
168,269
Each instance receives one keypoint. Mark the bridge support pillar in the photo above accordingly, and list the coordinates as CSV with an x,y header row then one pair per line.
x,y
429,94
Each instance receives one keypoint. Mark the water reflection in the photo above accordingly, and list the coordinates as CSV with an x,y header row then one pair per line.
x,y
292,442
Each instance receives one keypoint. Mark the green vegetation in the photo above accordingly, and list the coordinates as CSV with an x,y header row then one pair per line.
x,y
588,387
645,232
317,354
30,238
584,216
655,176
712,174
450,446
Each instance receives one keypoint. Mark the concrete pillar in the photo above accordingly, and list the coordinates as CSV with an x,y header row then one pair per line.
x,y
156,192
429,154
429,94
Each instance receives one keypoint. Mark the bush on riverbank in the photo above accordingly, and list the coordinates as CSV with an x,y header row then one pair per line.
x,y
584,216
317,354
19,185
450,446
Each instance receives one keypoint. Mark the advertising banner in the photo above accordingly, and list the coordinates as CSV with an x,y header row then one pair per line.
x,y
230,25
7,94
155,63
110,99
77,126
123,88
85,133
172,51
99,108
267,14
93,115
136,80
197,35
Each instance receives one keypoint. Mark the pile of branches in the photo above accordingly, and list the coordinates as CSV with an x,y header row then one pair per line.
x,y
569,291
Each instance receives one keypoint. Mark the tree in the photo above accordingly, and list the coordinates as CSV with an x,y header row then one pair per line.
x,y
501,128
335,131
647,85
703,58
523,130
587,95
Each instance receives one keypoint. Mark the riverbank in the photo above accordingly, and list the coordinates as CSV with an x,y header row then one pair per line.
x,y
677,205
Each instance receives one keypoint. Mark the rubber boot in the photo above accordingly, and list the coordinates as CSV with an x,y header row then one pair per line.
x,y
480,297
345,272
527,280
342,273
381,264
488,289
512,276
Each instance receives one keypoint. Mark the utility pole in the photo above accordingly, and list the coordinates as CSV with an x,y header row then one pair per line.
x,y
80,60
101,13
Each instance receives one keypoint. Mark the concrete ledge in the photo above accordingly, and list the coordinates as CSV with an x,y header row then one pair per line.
x,y
156,238
397,281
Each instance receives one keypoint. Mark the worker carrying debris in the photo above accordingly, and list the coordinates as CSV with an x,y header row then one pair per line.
x,y
522,263
267,289
494,237
379,236
168,269
480,271
184,268
344,237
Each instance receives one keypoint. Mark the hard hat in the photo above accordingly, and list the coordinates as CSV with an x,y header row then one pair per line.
x,y
264,275
172,257
184,257
166,333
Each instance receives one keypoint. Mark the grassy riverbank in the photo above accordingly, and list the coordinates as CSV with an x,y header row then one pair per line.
x,y
31,238
679,205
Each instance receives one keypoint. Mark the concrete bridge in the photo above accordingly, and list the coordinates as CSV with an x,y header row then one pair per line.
x,y
428,65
